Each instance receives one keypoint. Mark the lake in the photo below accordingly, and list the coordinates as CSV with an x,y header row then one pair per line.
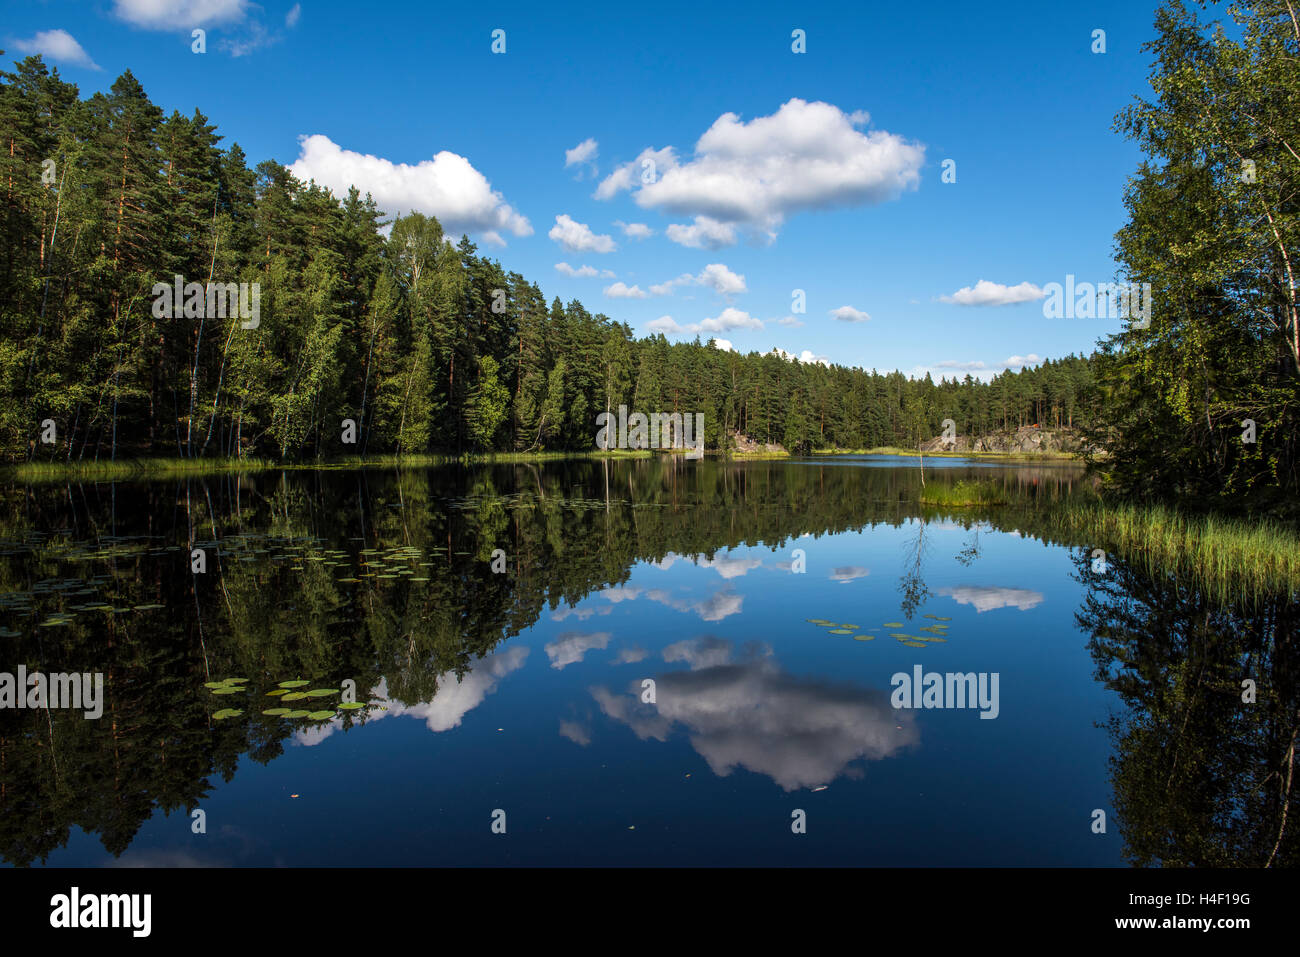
x,y
626,662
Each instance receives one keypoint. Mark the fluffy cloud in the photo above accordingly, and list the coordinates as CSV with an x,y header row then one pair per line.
x,y
577,733
578,237
634,230
755,174
729,319
848,573
985,293
446,186
583,272
570,647
704,233
57,45
582,154
791,321
620,290
988,597
293,16
849,314
1017,362
801,732
715,275
805,357
724,344
720,605
664,324
180,14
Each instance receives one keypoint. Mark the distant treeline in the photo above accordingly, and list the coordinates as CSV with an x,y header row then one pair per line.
x,y
425,346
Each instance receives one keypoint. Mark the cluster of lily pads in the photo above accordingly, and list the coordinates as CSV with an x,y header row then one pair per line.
x,y
285,691
938,631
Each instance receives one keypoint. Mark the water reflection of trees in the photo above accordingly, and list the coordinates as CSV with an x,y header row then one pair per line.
x,y
1200,777
267,610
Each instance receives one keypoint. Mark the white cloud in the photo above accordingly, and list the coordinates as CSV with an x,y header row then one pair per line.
x,y
621,290
791,321
724,344
570,647
730,318
755,174
446,186
805,357
985,293
976,366
1017,362
664,324
293,16
577,733
580,272
721,280
578,237
57,45
634,230
706,233
987,598
847,573
801,732
582,154
647,162
849,314
180,14
715,275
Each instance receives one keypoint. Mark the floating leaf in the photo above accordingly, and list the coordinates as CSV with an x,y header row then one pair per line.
x,y
893,624
841,631
297,714
895,634
929,616
226,689
913,644
276,712
233,681
295,695
214,684
941,618
226,713
320,715
847,625
352,705
297,683
277,691
321,692
864,637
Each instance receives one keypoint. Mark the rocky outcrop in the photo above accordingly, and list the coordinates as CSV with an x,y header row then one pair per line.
x,y
744,444
1028,439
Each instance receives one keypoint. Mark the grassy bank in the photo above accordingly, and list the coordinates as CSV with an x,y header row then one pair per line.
x,y
1230,558
173,467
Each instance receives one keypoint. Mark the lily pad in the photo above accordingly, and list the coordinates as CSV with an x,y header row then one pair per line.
x,y
277,691
893,624
841,631
896,634
913,644
227,689
864,637
845,624
320,715
276,712
352,705
321,692
214,684
233,681
295,696
297,714
226,713
297,683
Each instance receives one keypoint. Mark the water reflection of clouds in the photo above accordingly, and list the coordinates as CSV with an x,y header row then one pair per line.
x,y
449,705
570,647
714,608
990,597
749,713
724,565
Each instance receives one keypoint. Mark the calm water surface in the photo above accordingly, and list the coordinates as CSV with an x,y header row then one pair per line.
x,y
764,601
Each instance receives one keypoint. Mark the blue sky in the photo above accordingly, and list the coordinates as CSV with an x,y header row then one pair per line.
x,y
774,170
